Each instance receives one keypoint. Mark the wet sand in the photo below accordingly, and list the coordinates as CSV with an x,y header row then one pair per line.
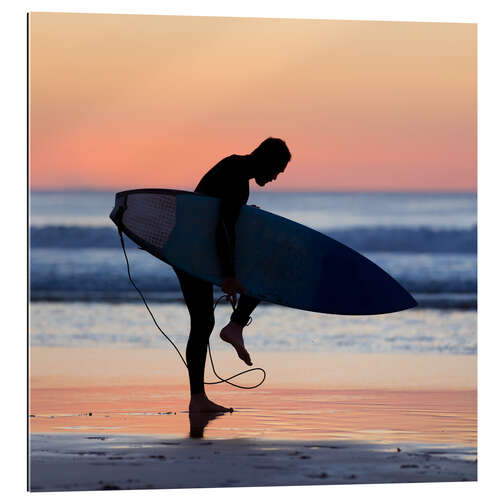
x,y
99,462
98,417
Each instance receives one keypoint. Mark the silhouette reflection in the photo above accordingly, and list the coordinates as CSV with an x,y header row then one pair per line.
x,y
198,421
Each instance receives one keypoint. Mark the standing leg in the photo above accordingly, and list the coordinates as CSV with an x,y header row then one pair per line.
x,y
198,295
233,331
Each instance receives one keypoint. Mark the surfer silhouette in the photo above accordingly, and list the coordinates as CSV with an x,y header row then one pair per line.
x,y
229,181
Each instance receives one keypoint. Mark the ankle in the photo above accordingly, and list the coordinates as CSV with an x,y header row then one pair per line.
x,y
201,396
234,325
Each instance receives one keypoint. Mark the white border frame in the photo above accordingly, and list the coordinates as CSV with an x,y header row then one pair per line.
x,y
13,32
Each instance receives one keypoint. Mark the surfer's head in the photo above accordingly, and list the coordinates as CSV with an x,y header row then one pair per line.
x,y
271,158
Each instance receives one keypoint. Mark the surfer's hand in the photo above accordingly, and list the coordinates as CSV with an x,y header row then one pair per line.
x,y
231,286
256,206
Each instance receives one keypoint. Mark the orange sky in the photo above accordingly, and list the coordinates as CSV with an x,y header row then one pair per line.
x,y
125,101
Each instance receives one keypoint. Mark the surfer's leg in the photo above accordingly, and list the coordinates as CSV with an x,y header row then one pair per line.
x,y
244,309
198,295
233,331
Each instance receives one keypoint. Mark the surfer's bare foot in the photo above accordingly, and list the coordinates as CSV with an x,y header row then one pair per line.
x,y
201,404
233,333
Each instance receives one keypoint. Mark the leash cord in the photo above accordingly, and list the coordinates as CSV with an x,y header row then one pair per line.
x,y
226,380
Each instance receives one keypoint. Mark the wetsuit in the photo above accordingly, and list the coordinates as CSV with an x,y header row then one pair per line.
x,y
227,181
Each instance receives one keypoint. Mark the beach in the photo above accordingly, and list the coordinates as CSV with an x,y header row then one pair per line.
x,y
117,419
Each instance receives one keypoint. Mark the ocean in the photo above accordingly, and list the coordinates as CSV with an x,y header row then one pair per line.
x,y
80,294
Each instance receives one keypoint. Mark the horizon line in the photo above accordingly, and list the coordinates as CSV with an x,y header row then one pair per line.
x,y
350,190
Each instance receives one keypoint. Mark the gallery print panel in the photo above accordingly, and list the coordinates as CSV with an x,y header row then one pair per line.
x,y
253,252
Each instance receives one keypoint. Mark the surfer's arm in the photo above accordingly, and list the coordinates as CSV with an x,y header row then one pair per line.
x,y
225,235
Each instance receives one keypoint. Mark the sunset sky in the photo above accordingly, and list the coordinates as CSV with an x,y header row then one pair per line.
x,y
126,101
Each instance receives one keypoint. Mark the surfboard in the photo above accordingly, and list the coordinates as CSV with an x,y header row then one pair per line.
x,y
276,259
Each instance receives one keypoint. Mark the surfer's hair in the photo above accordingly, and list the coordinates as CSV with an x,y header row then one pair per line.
x,y
273,148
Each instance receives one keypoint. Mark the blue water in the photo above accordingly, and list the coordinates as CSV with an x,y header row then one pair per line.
x,y
426,241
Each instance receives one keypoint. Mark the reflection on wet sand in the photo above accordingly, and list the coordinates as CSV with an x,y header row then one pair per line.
x,y
373,415
375,398
198,422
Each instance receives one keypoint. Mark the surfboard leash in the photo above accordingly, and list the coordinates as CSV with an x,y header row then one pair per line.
x,y
221,380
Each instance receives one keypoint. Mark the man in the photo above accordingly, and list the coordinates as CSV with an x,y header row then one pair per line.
x,y
229,181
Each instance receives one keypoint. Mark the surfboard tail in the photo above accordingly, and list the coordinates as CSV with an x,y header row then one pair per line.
x,y
116,214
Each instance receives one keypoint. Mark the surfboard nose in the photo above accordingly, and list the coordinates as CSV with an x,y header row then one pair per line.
x,y
406,300
413,302
359,286
388,295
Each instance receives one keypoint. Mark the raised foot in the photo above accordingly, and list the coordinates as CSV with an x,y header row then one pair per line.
x,y
233,334
201,404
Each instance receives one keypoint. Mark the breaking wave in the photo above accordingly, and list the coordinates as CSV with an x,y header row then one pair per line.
x,y
362,239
